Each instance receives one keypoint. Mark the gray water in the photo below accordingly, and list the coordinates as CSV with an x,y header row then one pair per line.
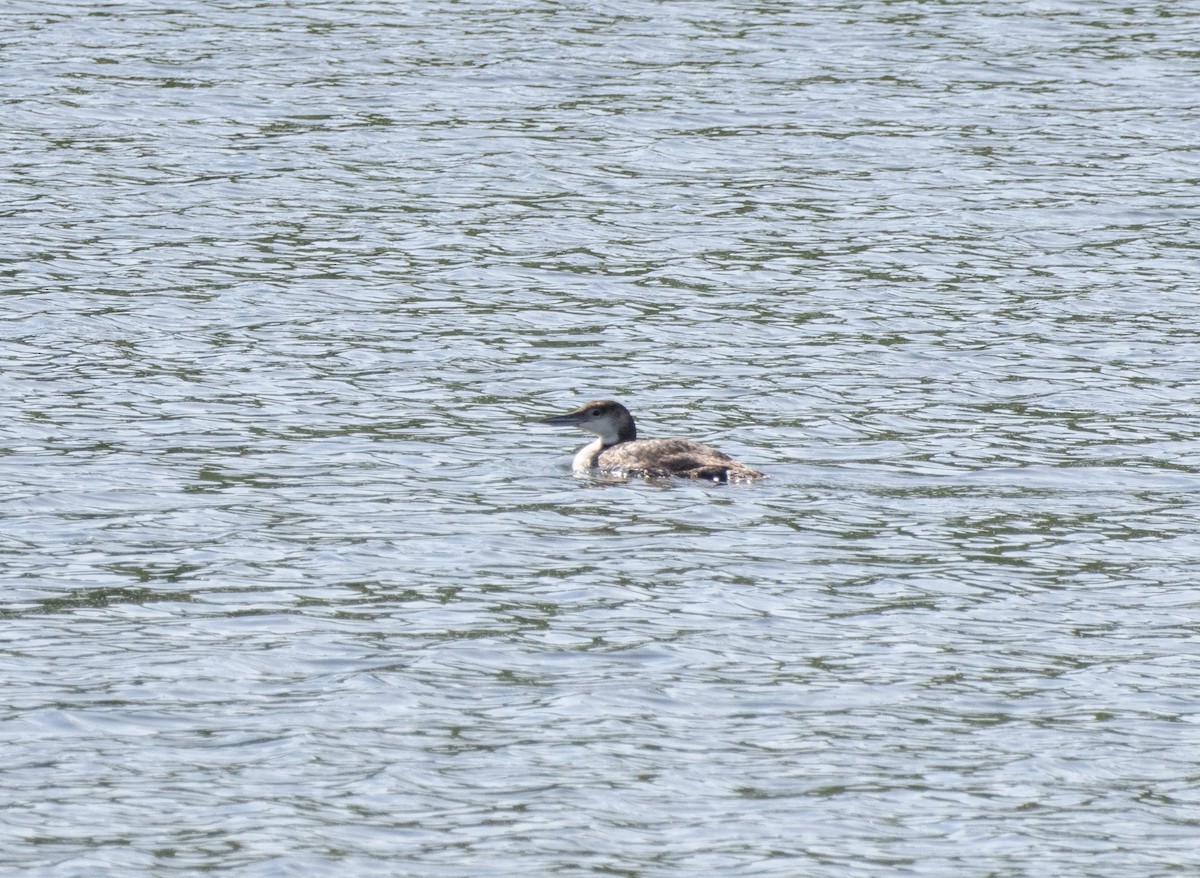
x,y
291,585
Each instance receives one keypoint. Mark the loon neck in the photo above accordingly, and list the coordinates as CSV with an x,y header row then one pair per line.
x,y
589,455
624,431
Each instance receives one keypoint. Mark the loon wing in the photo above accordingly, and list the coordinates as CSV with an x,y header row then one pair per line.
x,y
674,457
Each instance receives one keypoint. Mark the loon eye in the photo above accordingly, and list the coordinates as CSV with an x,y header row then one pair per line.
x,y
595,413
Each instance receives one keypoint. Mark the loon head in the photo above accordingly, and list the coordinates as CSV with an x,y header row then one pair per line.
x,y
606,418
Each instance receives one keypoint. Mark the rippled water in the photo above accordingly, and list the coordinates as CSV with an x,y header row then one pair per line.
x,y
291,585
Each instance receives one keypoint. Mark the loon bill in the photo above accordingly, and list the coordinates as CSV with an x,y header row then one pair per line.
x,y
618,449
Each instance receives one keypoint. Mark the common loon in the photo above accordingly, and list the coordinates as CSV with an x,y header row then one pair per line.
x,y
618,449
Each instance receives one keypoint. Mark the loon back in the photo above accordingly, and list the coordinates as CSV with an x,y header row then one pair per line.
x,y
617,448
674,457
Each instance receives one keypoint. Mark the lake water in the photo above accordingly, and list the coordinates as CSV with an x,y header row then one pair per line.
x,y
291,584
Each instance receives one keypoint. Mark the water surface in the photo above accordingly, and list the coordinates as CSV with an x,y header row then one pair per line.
x,y
292,585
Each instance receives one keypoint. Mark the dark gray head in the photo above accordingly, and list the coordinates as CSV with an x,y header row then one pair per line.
x,y
606,418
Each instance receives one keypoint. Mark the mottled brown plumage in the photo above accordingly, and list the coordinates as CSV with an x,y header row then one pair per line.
x,y
618,449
